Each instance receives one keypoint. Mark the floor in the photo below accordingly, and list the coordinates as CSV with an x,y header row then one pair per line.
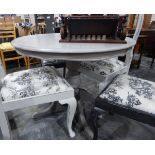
x,y
54,127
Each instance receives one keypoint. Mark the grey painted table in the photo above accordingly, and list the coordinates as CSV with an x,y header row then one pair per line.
x,y
47,46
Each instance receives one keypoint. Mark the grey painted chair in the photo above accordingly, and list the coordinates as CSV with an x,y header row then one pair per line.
x,y
129,96
95,76
34,87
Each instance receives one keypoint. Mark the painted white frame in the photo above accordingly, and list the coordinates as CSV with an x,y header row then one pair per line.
x,y
66,97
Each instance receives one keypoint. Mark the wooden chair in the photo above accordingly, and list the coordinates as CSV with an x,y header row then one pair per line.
x,y
32,61
41,28
8,19
1,19
34,87
17,19
6,49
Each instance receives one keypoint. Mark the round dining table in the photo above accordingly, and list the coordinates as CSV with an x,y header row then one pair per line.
x,y
47,46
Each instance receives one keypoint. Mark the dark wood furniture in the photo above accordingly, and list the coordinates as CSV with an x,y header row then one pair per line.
x,y
93,29
146,45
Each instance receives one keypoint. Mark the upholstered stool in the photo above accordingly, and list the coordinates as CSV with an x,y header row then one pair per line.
x,y
131,97
96,75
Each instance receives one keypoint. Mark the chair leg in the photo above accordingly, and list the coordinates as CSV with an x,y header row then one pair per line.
x,y
18,63
139,61
72,104
152,62
28,63
95,127
4,124
64,72
3,60
25,60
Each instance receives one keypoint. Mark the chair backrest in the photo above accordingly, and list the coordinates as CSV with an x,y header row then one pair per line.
x,y
1,19
17,19
7,30
8,19
138,27
129,55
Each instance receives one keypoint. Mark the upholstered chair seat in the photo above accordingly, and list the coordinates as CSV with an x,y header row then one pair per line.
x,y
32,82
132,93
96,75
102,67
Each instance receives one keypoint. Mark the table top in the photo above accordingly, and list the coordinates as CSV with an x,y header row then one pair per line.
x,y
48,44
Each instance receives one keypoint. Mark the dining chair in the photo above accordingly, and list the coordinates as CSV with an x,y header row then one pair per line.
x,y
34,87
1,20
8,19
128,96
96,75
32,61
7,51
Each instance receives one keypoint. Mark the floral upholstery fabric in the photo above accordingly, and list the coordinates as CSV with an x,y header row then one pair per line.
x,y
103,67
38,81
131,92
96,75
6,46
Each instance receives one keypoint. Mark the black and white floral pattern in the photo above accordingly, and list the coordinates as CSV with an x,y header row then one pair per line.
x,y
102,67
38,81
141,87
132,92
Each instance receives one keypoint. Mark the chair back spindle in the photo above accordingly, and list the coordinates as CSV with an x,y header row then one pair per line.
x,y
129,54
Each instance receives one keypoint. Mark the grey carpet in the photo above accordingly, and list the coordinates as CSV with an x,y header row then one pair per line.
x,y
111,127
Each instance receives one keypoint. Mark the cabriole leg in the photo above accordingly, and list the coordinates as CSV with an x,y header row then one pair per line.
x,y
72,104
